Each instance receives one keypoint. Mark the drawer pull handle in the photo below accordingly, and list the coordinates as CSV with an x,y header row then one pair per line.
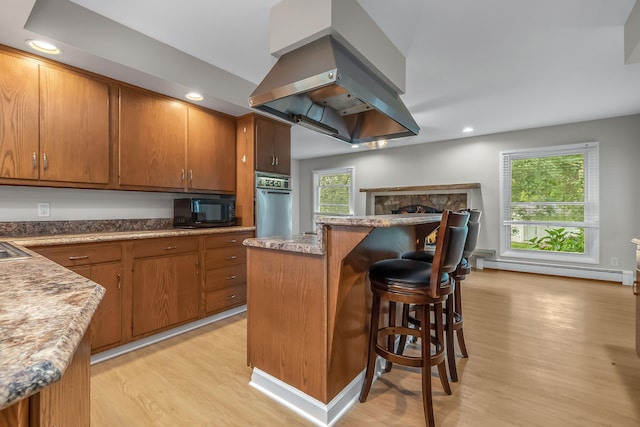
x,y
34,160
231,277
231,296
75,258
635,288
232,241
169,248
231,257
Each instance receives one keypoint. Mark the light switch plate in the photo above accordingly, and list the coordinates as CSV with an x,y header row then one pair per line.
x,y
44,209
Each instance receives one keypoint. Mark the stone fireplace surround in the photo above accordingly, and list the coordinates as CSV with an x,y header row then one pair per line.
x,y
390,200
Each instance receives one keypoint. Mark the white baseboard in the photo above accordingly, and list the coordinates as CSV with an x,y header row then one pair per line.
x,y
319,413
622,276
135,345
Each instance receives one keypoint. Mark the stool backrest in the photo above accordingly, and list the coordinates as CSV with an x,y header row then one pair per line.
x,y
450,244
474,231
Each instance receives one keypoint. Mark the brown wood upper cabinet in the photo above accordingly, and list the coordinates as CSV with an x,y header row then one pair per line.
x,y
211,152
71,142
273,146
18,117
153,133
74,127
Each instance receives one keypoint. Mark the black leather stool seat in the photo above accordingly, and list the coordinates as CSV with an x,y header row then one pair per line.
x,y
406,272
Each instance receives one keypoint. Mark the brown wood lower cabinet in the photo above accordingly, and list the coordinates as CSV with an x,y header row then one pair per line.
x,y
226,271
101,263
155,284
166,283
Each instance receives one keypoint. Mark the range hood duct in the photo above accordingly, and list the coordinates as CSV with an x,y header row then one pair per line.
x,y
324,87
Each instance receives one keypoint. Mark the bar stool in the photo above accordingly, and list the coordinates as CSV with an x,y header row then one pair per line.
x,y
424,286
462,270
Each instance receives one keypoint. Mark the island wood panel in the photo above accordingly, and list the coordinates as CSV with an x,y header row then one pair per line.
x,y
18,116
74,127
16,415
351,251
287,300
66,402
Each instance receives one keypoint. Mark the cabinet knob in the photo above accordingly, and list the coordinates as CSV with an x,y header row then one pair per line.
x,y
231,277
232,296
231,257
182,175
232,241
119,281
190,176
34,161
276,160
169,248
75,258
44,161
635,288
273,160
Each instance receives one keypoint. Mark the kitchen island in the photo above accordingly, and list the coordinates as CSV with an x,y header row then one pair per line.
x,y
45,311
308,307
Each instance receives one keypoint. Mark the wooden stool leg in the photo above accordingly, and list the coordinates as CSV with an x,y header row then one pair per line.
x,y
373,339
405,324
391,338
459,331
442,368
425,337
451,351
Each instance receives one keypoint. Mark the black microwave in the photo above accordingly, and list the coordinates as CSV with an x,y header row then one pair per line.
x,y
219,211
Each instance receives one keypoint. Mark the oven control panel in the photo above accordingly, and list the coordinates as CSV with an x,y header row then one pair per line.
x,y
273,182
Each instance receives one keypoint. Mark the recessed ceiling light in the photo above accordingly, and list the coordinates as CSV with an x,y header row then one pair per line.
x,y
467,129
44,47
194,96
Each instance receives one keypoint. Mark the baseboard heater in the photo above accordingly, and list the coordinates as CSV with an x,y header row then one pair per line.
x,y
622,276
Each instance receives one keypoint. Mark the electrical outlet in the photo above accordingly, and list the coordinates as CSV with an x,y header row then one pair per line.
x,y
44,209
614,261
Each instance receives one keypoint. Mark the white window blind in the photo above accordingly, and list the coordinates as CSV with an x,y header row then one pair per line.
x,y
333,191
550,203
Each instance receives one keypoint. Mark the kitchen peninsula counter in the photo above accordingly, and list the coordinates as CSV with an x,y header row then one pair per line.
x,y
308,307
45,311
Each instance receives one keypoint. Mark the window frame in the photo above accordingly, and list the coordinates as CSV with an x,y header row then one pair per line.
x,y
316,188
591,223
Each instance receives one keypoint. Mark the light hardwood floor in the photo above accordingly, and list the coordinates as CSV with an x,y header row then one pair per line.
x,y
544,351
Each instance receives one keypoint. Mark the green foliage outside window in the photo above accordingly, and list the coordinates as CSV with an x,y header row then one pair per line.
x,y
548,189
335,194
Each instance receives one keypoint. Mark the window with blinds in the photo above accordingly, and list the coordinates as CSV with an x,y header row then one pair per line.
x,y
333,191
549,203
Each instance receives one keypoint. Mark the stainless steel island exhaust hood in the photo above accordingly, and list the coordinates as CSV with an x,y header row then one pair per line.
x,y
324,87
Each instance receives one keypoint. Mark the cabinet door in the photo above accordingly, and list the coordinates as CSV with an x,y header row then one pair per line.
x,y
18,118
282,149
74,127
153,132
211,152
106,325
273,146
166,292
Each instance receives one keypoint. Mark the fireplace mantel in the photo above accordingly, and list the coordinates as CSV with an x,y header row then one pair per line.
x,y
437,187
390,200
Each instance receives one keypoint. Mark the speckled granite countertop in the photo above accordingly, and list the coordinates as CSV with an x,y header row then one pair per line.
x,y
315,243
45,309
67,239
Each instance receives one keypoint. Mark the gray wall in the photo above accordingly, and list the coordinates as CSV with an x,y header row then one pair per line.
x,y
476,159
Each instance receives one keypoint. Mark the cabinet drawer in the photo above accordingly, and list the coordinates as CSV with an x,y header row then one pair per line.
x,y
164,246
72,255
227,297
225,277
225,257
226,240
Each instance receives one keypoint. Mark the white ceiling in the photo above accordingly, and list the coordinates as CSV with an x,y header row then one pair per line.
x,y
495,65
